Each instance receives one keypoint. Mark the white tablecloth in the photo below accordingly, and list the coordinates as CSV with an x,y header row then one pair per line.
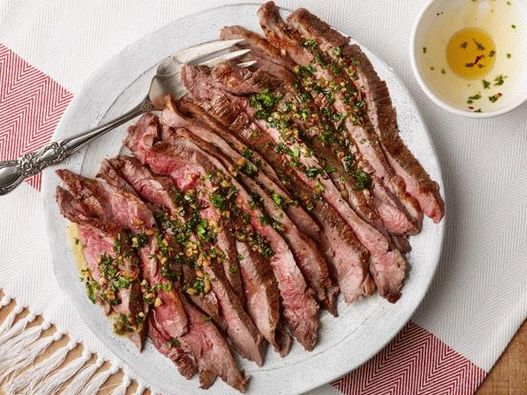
x,y
478,298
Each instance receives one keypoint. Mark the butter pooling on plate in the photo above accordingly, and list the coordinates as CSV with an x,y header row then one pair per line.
x,y
472,53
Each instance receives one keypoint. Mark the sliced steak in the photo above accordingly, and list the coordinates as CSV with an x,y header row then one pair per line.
x,y
171,348
212,354
327,141
388,266
345,101
162,159
259,46
235,149
338,241
122,293
160,191
156,191
300,309
176,317
380,110
141,143
310,260
235,322
126,211
263,298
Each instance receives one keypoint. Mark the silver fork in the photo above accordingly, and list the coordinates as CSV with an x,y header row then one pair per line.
x,y
166,81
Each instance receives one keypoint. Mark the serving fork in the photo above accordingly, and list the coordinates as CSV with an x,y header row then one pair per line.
x,y
167,80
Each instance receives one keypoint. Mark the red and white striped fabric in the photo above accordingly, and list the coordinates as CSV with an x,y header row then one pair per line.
x,y
477,301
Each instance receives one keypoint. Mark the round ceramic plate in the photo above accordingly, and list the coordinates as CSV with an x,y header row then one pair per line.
x,y
346,342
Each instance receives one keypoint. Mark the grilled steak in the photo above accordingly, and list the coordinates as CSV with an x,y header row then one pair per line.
x,y
119,292
157,191
126,211
171,348
299,308
210,350
245,202
338,241
347,102
380,110
233,318
176,318
263,298
310,260
266,176
387,265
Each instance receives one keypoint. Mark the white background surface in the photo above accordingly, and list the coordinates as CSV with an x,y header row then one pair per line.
x,y
479,297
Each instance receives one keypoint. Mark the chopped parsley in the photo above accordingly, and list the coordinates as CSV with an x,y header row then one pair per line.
x,y
278,200
472,99
499,80
310,43
495,98
173,342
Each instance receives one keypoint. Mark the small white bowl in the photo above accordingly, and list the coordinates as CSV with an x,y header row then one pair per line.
x,y
439,20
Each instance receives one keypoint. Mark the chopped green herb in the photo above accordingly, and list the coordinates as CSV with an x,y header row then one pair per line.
x,y
218,201
362,180
173,342
492,53
495,98
122,325
424,50
513,26
509,56
248,153
486,84
472,99
499,80
91,285
277,225
278,200
139,240
313,172
310,43
264,219
122,282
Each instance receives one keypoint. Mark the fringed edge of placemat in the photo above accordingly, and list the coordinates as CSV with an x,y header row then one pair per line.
x,y
28,364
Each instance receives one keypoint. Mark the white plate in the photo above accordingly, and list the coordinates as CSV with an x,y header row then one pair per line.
x,y
362,329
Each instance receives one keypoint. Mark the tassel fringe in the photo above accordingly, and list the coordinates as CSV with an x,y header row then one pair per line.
x,y
27,381
121,389
20,346
82,378
61,376
99,379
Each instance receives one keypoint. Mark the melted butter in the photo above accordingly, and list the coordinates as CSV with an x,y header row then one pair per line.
x,y
471,53
76,246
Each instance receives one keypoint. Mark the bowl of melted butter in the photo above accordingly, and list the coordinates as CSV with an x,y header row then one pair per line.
x,y
470,56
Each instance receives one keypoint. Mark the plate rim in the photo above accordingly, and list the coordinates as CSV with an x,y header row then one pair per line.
x,y
73,108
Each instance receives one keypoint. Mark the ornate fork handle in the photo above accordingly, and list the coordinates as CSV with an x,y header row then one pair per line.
x,y
13,172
